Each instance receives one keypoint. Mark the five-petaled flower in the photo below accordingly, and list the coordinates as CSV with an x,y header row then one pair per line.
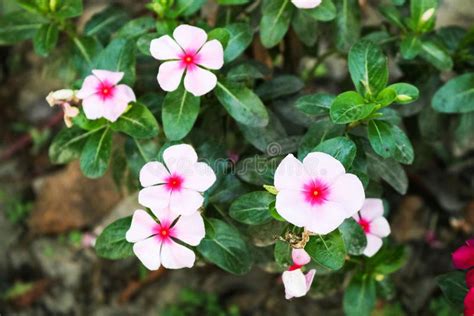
x,y
463,257
306,4
154,242
102,96
178,184
317,193
189,52
296,283
373,223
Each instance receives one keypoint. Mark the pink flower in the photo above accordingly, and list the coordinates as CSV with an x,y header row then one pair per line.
x,y
189,52
296,283
306,4
103,97
316,194
469,303
470,278
463,257
373,223
178,184
154,242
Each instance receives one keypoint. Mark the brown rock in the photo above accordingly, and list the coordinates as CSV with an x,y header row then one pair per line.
x,y
68,200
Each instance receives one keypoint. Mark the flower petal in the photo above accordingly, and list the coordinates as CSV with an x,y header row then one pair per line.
x,y
199,177
164,48
291,206
371,209
89,87
348,191
185,202
325,218
380,227
469,303
211,55
300,257
155,197
176,256
463,257
93,107
306,4
309,279
169,75
152,173
148,251
290,174
112,77
190,229
322,166
295,283
374,243
470,278
113,108
179,158
190,38
199,81
142,226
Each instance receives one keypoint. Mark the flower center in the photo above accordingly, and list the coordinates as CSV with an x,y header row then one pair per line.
x,y
163,231
365,225
174,182
188,59
105,90
315,192
294,267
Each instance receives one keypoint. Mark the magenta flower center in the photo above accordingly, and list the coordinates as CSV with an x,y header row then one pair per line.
x,y
105,90
163,232
315,192
189,60
365,225
174,182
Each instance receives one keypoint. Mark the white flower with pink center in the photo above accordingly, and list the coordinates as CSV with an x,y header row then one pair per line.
x,y
306,4
373,223
317,193
102,96
155,242
296,283
187,52
178,184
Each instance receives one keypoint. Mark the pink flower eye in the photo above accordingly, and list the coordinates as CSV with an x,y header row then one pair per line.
x,y
174,183
365,225
316,193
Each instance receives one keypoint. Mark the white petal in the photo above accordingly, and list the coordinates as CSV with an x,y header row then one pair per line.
x,y
306,4
190,229
374,243
179,157
155,197
169,75
325,218
372,208
295,283
322,166
165,216
190,38
148,251
89,87
348,191
112,77
291,206
300,257
176,256
380,227
113,108
185,202
290,174
309,279
199,81
165,47
152,173
199,177
93,107
211,55
142,226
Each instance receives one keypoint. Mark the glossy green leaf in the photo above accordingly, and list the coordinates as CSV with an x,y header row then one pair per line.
x,y
381,139
137,122
252,208
68,144
137,27
436,55
18,26
45,39
350,107
221,34
111,243
105,22
453,285
241,36
360,296
406,93
327,250
68,8
96,153
353,236
423,14
314,104
386,97
275,21
341,148
282,254
326,11
410,46
348,25
279,86
119,55
388,260
389,170
305,27
317,133
456,96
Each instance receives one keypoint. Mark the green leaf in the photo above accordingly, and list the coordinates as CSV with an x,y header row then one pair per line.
x,y
252,208
137,27
350,107
388,260
279,86
410,46
341,148
327,250
381,139
180,111
360,296
389,170
87,48
275,21
453,285
242,104
139,152
241,36
224,247
348,25
317,133
111,243
406,93
282,254
137,122
232,2
143,43
436,55
386,97
96,153
353,236
403,151
119,55
271,189
83,122
46,39
423,15
67,145
326,11
184,8
305,27
247,71
19,26
68,8
456,96
221,34
106,22
392,15
314,104
368,68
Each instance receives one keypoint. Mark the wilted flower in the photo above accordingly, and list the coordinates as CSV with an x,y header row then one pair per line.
x,y
102,96
463,257
64,98
154,242
296,283
373,223
316,194
189,52
306,4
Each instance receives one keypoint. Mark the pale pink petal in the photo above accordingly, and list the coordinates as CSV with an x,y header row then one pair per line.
x,y
176,256
309,278
164,215
348,191
113,108
164,48
142,226
190,229
179,158
325,218
199,177
374,243
290,174
292,207
93,107
169,75
211,55
190,38
300,257
199,81
186,201
89,87
306,4
152,173
148,252
380,227
111,77
154,197
295,283
321,166
371,209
